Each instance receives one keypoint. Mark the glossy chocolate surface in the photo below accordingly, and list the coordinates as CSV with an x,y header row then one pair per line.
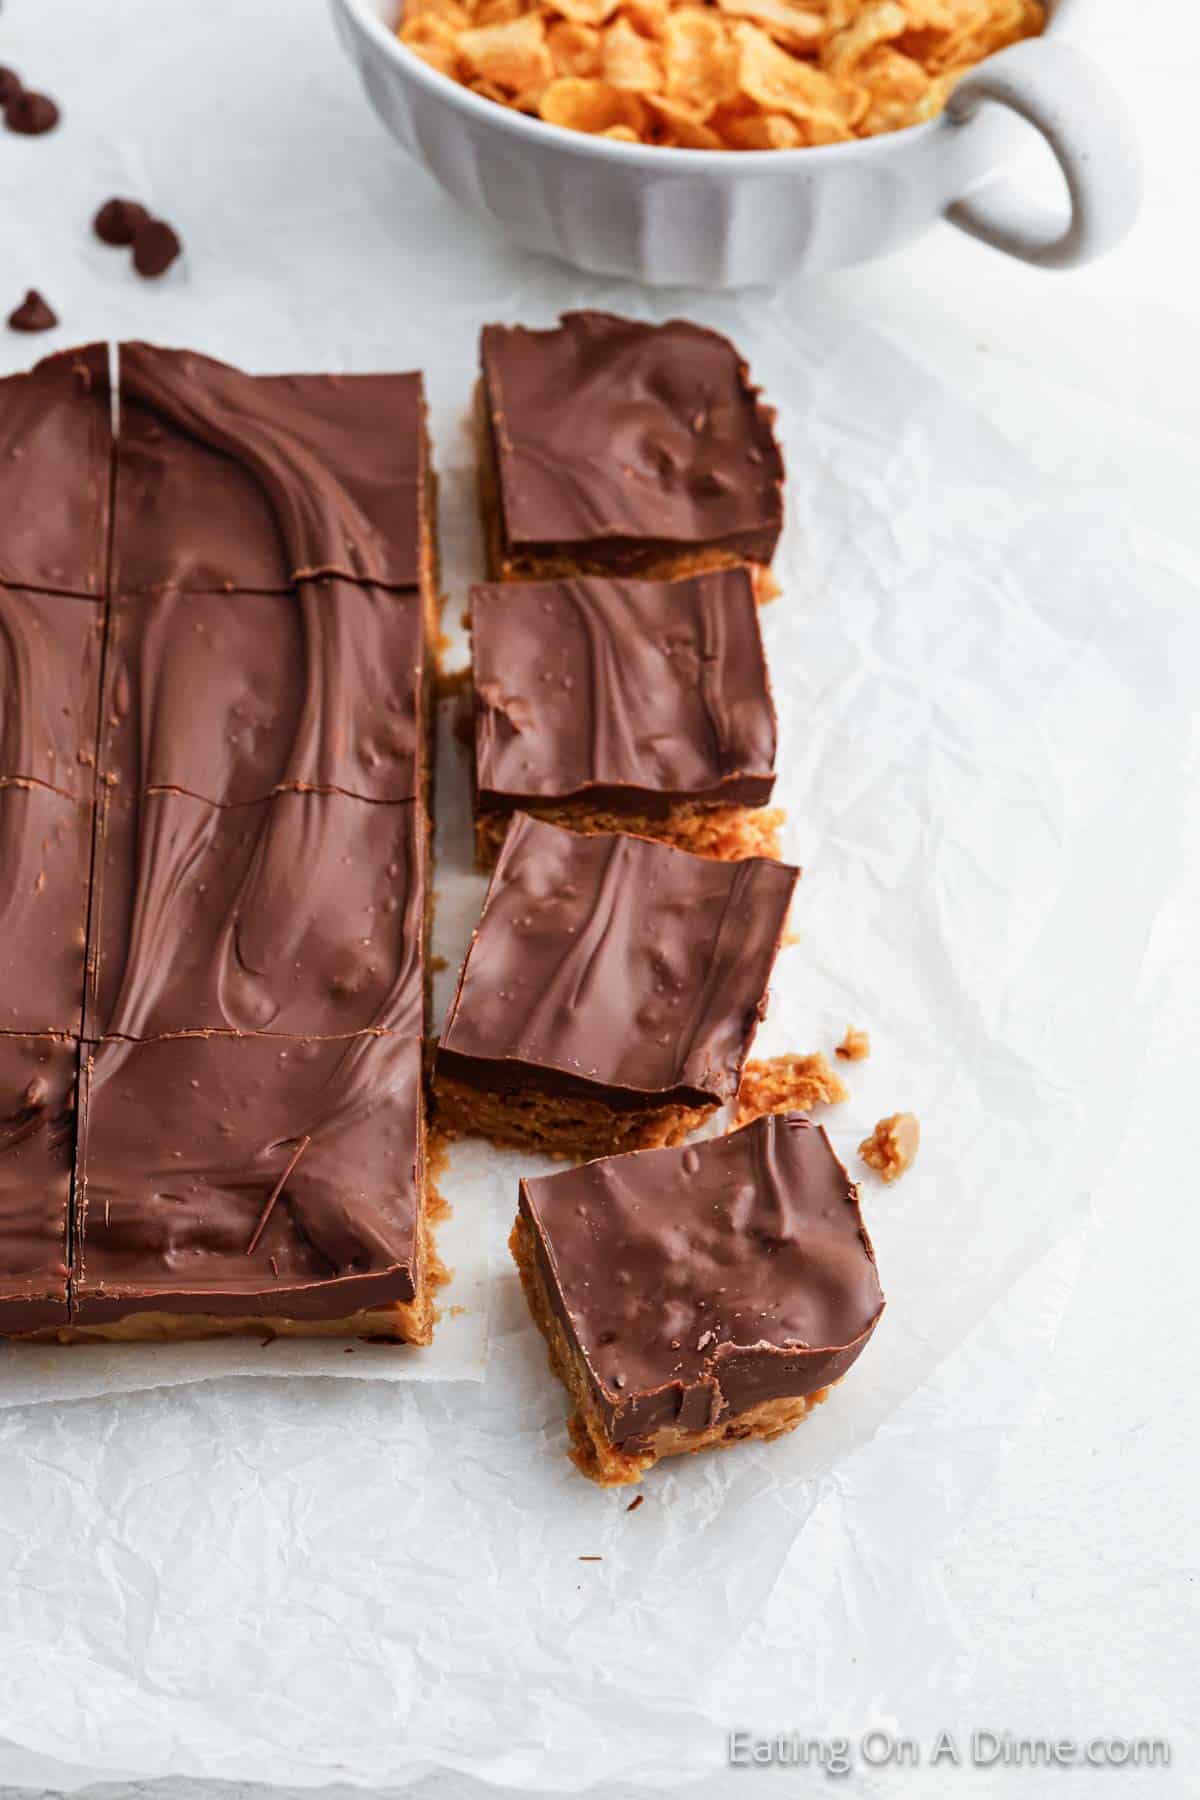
x,y
615,967
629,695
248,481
37,1133
184,1141
697,1283
231,696
300,914
45,856
50,649
622,440
55,482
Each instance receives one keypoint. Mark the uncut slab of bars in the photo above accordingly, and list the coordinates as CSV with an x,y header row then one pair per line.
x,y
612,447
214,850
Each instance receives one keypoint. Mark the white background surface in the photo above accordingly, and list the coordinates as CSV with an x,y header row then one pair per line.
x,y
1050,1591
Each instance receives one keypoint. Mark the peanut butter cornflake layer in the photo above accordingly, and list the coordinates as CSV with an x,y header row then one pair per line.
x,y
729,75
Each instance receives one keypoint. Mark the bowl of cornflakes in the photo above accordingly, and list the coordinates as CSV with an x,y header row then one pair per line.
x,y
724,143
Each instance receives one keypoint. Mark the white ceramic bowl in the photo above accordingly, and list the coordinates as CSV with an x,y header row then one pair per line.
x,y
720,219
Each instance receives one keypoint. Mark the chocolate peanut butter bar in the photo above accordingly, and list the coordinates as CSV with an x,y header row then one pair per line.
x,y
229,480
236,1184
606,704
301,914
692,1298
37,1135
262,859
55,474
609,446
45,858
50,650
611,992
234,696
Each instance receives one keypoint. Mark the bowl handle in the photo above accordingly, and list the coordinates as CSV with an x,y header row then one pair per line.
x,y
1078,111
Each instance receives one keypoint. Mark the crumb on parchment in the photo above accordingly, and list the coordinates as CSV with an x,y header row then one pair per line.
x,y
788,1084
855,1046
892,1146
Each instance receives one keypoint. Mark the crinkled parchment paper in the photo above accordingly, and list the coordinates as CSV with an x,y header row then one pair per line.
x,y
984,677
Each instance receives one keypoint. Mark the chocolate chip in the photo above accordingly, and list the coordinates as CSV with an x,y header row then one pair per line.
x,y
119,221
30,113
33,314
10,85
155,248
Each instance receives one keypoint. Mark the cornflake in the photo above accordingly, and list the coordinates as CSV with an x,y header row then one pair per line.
x,y
788,1084
717,74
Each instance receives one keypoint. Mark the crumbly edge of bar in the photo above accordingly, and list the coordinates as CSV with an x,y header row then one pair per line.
x,y
591,1449
433,598
506,565
723,833
564,1126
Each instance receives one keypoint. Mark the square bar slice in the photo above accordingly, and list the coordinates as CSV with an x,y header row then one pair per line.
x,y
50,649
609,446
232,1185
37,1141
55,474
694,1297
229,480
45,863
611,992
613,705
232,696
302,914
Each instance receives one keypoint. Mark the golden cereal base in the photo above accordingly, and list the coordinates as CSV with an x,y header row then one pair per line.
x,y
724,833
557,1125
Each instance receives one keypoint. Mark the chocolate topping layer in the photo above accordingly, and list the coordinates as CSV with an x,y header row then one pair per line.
x,y
697,1283
55,444
230,696
615,966
184,1141
301,914
228,480
623,694
627,438
37,1101
49,689
45,851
